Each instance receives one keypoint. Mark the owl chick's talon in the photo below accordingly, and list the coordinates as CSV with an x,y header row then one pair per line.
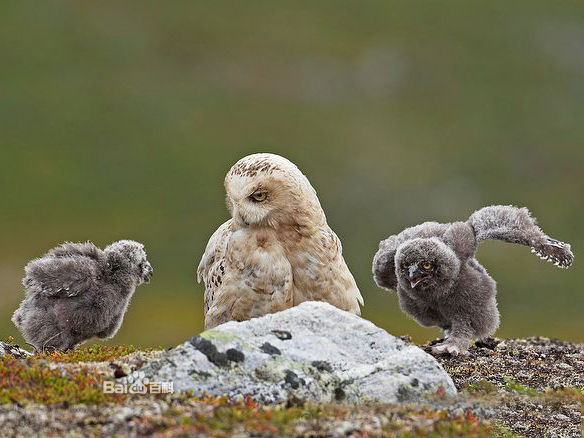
x,y
449,348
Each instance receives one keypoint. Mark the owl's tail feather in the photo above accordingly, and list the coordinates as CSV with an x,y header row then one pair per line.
x,y
517,225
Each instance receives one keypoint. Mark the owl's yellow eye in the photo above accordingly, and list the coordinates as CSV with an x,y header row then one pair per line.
x,y
427,266
259,196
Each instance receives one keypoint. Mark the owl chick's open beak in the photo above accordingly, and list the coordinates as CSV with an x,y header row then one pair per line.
x,y
147,272
416,275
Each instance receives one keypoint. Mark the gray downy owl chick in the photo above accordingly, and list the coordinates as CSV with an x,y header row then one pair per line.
x,y
77,291
439,281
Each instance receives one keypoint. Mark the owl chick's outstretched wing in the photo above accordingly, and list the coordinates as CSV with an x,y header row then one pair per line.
x,y
517,225
60,277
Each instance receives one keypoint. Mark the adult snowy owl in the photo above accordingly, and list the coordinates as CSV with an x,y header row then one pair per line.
x,y
277,249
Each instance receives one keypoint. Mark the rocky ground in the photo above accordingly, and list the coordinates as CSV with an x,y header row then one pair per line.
x,y
312,370
536,385
515,387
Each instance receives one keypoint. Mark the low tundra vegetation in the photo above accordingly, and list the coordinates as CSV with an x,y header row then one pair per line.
x,y
24,381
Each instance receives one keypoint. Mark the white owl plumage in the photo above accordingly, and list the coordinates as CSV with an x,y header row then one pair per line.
x,y
277,249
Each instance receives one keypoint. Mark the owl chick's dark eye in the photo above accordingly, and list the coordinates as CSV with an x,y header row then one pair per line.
x,y
259,196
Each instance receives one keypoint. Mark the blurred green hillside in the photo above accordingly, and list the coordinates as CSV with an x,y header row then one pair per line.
x,y
120,120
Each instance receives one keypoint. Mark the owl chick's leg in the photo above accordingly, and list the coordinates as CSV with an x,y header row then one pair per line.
x,y
457,341
446,332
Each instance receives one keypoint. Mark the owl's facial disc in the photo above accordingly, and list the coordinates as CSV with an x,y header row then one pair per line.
x,y
420,272
426,264
252,206
259,201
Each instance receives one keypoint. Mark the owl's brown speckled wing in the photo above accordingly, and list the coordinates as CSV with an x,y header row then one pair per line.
x,y
321,274
246,274
212,265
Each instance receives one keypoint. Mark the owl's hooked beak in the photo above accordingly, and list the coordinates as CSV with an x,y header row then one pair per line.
x,y
238,217
416,275
147,272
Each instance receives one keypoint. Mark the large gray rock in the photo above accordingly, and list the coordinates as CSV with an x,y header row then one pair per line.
x,y
313,351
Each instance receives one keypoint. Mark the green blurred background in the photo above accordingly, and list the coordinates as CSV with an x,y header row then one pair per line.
x,y
120,120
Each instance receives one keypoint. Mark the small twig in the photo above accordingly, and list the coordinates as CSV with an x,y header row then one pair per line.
x,y
36,351
45,343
